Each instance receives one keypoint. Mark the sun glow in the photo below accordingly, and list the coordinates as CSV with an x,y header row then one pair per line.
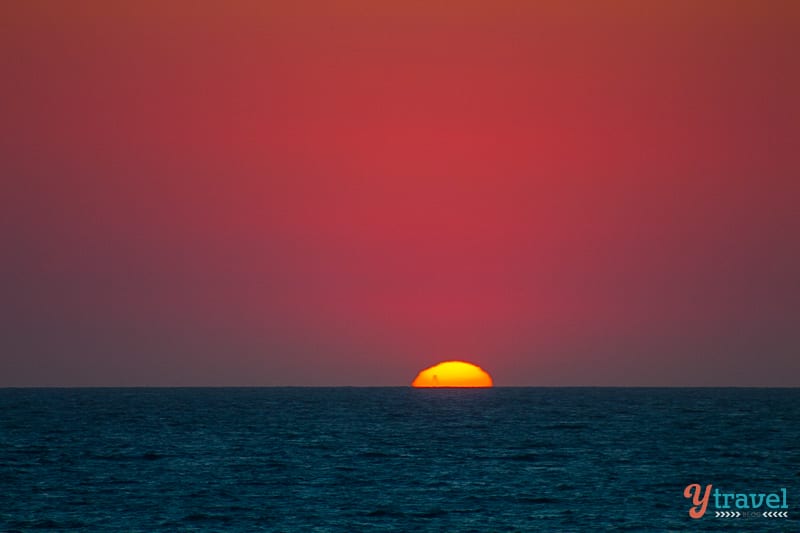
x,y
453,374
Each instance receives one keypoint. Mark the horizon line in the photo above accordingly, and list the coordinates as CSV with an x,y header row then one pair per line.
x,y
20,387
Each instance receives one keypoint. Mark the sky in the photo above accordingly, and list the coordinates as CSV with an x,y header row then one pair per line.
x,y
346,192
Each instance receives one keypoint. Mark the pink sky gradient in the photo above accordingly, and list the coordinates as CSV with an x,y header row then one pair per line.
x,y
336,193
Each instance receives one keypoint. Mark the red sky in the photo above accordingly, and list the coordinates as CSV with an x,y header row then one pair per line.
x,y
346,192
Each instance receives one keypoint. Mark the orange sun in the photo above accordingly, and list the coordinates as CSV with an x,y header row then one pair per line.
x,y
453,374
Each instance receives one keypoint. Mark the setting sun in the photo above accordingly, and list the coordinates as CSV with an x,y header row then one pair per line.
x,y
453,374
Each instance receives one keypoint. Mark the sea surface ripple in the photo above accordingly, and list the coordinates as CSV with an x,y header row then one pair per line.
x,y
397,459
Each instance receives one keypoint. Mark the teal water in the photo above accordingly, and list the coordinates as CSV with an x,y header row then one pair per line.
x,y
397,459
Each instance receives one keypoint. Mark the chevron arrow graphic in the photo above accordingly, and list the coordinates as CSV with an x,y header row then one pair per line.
x,y
729,514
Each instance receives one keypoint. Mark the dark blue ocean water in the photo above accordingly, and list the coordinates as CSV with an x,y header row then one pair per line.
x,y
353,459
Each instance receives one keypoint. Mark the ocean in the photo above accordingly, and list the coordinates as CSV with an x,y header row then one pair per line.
x,y
395,459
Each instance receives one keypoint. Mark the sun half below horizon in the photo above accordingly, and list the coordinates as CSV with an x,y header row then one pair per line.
x,y
453,374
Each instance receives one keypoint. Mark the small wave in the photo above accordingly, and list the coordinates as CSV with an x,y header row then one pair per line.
x,y
532,499
31,450
46,524
204,517
529,444
432,513
144,456
566,425
152,456
528,457
110,456
376,455
385,512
